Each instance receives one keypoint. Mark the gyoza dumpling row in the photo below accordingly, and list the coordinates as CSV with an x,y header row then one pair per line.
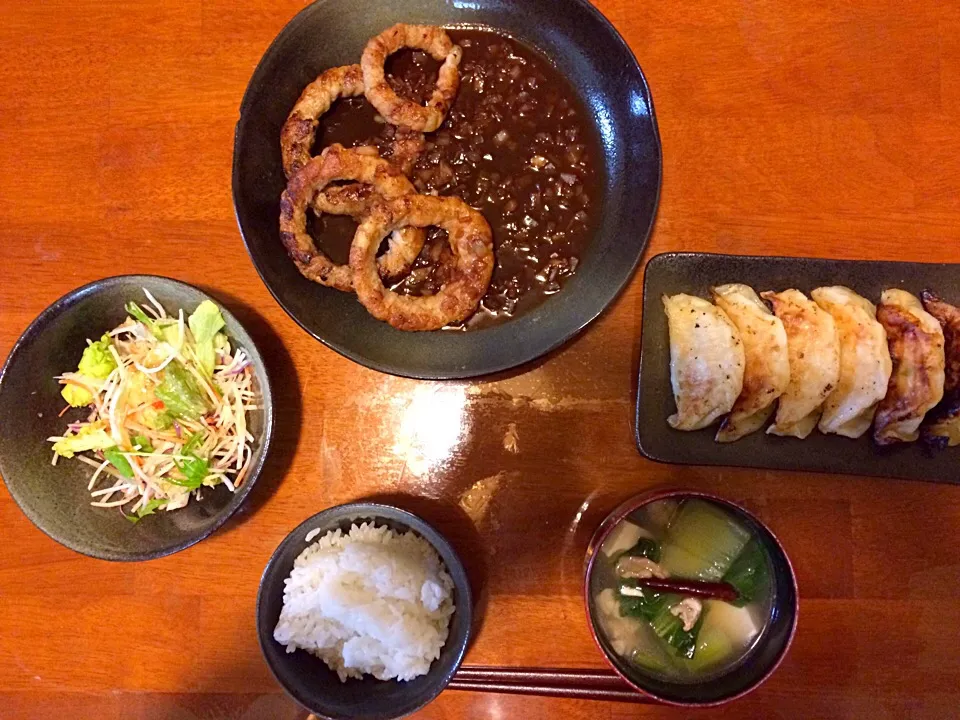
x,y
836,358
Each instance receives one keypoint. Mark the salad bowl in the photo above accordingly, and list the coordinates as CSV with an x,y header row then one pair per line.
x,y
55,497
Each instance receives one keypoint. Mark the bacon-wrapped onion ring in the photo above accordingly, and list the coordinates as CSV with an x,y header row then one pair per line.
x,y
299,131
395,109
338,163
470,239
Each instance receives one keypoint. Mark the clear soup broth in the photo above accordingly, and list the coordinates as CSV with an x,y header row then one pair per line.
x,y
674,637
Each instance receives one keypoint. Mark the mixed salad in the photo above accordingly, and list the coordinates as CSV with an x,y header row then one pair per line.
x,y
168,400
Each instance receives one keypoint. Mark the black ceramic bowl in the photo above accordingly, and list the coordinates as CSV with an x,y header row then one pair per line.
x,y
56,498
307,678
585,48
764,656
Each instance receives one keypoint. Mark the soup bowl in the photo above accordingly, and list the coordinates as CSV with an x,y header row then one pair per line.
x,y
758,662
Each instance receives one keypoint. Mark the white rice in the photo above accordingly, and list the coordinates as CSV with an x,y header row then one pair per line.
x,y
371,601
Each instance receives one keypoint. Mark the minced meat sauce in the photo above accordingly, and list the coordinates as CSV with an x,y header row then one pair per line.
x,y
516,145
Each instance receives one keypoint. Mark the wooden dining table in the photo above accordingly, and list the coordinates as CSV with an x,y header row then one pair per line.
x,y
822,128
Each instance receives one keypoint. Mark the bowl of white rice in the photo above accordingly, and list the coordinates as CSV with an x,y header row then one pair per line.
x,y
364,612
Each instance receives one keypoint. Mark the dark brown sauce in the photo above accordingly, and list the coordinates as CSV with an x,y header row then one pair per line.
x,y
350,122
517,145
335,233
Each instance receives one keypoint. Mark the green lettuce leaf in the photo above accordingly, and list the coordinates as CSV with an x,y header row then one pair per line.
x,y
119,461
181,394
157,419
97,361
142,443
149,509
137,312
76,396
205,322
90,437
171,333
194,468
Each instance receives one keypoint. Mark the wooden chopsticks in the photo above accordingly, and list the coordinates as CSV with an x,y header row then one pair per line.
x,y
549,682
545,682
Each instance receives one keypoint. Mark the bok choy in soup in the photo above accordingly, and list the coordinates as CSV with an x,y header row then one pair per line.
x,y
658,583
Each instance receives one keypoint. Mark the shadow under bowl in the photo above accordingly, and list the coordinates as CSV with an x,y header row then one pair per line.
x,y
764,656
55,498
307,678
603,72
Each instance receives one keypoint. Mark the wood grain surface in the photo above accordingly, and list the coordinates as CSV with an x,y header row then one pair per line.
x,y
817,128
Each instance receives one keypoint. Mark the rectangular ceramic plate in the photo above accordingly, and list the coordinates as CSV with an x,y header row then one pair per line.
x,y
695,273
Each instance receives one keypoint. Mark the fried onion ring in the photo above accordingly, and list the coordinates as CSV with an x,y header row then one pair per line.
x,y
397,110
470,239
354,199
339,163
300,129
